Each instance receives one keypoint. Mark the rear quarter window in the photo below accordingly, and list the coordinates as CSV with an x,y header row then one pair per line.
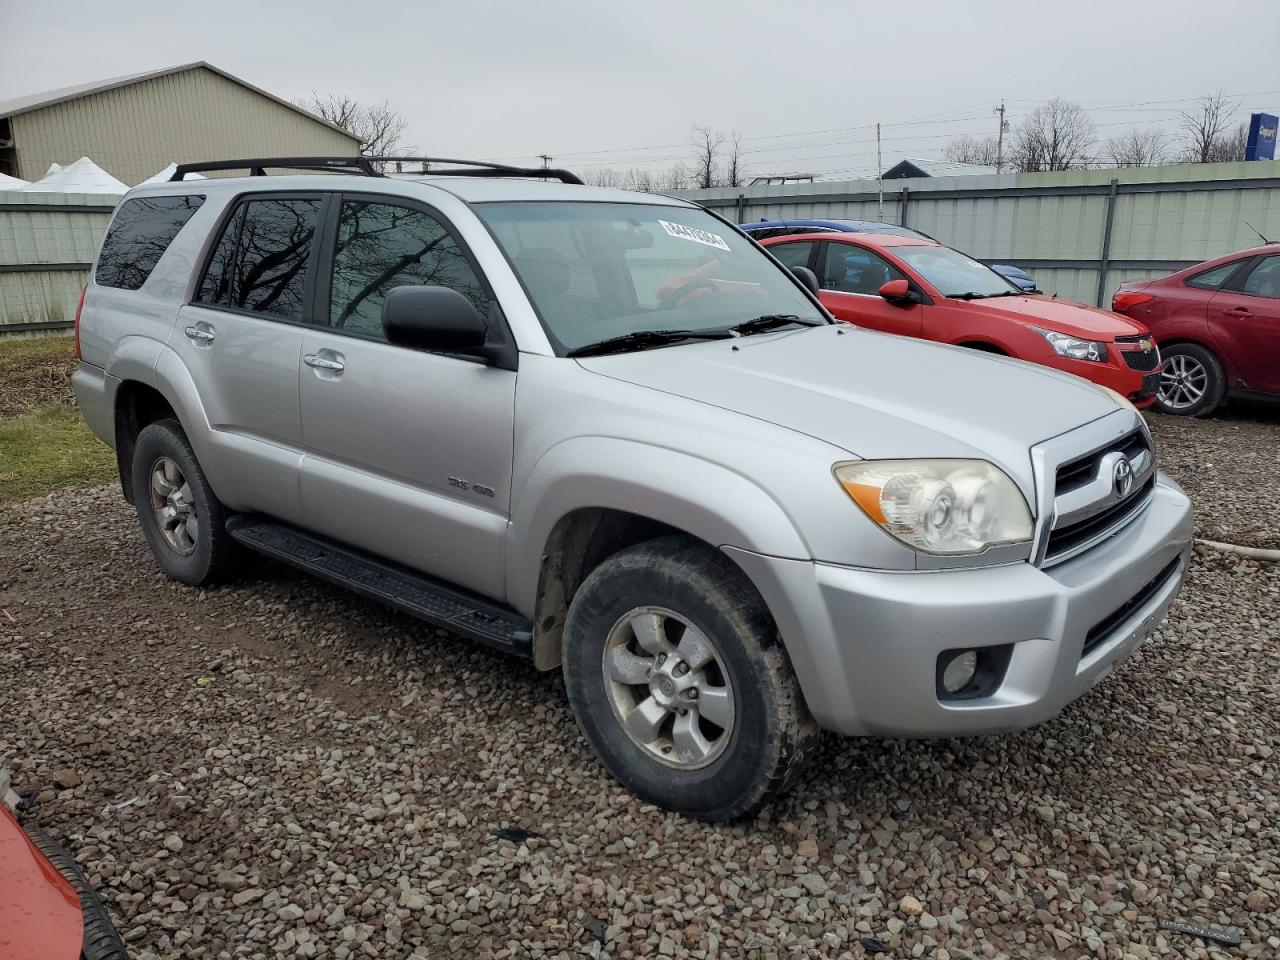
x,y
141,232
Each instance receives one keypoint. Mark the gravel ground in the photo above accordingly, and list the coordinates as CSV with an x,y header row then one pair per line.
x,y
276,768
1230,465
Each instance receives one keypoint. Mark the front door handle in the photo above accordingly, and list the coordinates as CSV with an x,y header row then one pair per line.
x,y
201,333
1238,312
323,363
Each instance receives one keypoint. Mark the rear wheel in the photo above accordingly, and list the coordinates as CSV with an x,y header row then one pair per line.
x,y
183,521
1192,383
680,684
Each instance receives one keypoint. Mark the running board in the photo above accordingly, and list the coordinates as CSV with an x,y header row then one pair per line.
x,y
416,594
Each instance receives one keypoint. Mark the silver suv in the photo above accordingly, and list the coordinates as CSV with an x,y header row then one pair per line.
x,y
608,432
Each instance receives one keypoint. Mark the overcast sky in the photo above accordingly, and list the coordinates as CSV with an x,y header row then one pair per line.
x,y
621,84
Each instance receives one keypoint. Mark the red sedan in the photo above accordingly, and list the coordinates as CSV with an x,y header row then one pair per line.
x,y
920,288
1218,324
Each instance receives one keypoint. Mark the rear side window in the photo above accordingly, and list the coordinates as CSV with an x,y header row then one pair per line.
x,y
260,263
140,234
1213,279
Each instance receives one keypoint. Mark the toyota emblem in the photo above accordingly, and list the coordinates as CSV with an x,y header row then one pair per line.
x,y
1122,478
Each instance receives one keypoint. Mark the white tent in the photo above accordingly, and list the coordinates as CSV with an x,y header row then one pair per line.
x,y
83,176
11,183
165,175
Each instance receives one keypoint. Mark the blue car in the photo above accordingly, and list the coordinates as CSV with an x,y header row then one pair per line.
x,y
763,229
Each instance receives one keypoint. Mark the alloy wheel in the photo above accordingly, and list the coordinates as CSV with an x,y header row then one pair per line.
x,y
668,687
1183,382
173,506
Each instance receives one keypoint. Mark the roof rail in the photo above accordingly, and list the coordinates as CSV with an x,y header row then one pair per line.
x,y
483,168
366,166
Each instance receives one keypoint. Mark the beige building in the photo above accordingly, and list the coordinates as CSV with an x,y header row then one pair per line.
x,y
134,126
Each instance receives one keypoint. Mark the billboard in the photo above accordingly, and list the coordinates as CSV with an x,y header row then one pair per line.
x,y
1262,137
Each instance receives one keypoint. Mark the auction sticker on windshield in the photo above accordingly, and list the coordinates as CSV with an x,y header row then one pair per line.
x,y
680,231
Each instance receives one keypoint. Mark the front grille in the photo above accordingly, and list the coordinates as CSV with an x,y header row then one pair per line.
x,y
1101,631
1143,361
1066,538
1085,509
1074,474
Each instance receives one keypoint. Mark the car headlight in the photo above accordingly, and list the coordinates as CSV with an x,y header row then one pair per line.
x,y
1074,347
939,506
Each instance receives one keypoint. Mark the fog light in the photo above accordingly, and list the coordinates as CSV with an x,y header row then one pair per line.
x,y
960,671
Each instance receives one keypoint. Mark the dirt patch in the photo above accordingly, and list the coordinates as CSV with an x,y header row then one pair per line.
x,y
35,373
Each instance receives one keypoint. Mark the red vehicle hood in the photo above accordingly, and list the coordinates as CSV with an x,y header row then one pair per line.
x,y
40,916
1061,316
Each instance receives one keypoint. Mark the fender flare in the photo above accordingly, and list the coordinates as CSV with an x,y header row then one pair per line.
x,y
703,499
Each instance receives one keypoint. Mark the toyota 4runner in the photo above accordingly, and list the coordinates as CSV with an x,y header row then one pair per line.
x,y
608,432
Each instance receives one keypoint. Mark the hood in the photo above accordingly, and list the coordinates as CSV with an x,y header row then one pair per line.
x,y
875,395
1061,316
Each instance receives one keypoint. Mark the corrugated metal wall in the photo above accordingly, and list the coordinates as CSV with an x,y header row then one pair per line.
x,y
46,242
136,130
1052,224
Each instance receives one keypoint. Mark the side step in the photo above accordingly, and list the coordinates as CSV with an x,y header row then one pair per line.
x,y
410,592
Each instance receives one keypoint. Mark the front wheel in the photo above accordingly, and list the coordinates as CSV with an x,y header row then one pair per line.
x,y
1192,383
680,683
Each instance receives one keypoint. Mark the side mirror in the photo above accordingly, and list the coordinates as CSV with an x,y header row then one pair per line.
x,y
896,290
432,318
808,278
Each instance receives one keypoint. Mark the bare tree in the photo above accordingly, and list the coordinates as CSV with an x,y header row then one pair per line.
x,y
983,151
1138,148
1205,127
1230,146
706,148
1057,135
378,126
735,171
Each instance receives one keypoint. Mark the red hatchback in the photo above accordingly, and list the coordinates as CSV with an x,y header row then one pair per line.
x,y
1218,324
920,288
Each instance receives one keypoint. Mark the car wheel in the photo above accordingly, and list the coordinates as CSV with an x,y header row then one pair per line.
x,y
182,520
1192,383
680,683
101,940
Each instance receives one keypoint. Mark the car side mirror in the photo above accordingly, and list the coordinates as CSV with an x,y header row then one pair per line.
x,y
433,318
896,290
808,278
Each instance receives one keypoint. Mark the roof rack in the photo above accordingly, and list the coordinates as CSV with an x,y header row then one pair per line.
x,y
366,166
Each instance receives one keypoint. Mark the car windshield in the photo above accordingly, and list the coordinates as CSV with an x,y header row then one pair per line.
x,y
954,273
597,271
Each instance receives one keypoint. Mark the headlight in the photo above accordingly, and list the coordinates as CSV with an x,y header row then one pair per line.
x,y
939,506
1073,347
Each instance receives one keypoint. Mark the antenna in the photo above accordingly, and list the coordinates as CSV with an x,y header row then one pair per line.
x,y
1259,233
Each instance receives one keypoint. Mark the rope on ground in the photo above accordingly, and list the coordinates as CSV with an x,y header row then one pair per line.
x,y
1255,553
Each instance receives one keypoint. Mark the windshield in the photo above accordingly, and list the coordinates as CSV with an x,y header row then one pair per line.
x,y
596,271
954,273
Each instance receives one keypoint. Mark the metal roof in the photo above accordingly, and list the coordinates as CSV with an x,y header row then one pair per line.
x,y
38,101
935,168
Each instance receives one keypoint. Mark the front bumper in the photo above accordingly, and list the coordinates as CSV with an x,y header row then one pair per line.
x,y
1136,386
865,643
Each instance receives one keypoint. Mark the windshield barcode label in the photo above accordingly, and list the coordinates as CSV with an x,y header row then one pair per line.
x,y
681,232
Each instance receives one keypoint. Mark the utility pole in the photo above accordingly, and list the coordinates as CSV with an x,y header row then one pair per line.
x,y
880,172
546,160
1004,125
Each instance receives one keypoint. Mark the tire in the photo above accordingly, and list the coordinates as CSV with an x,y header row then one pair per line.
x,y
1200,370
751,715
101,939
207,557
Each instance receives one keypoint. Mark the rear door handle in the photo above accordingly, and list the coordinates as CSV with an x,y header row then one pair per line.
x,y
323,363
201,333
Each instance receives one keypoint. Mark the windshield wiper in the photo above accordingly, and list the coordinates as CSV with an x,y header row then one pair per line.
x,y
643,339
771,321
968,295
